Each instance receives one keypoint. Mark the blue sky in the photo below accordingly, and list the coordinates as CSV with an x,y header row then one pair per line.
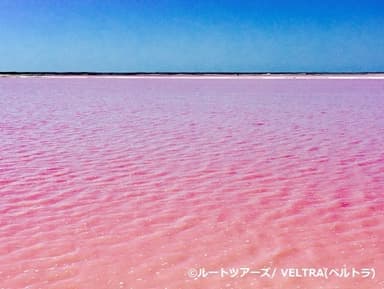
x,y
194,36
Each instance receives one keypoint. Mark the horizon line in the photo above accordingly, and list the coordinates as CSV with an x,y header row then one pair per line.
x,y
43,73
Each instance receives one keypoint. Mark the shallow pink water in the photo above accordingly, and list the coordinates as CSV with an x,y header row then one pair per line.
x,y
129,183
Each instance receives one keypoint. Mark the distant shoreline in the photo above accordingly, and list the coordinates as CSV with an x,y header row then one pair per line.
x,y
261,75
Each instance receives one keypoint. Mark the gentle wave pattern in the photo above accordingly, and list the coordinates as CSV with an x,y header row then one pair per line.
x,y
129,183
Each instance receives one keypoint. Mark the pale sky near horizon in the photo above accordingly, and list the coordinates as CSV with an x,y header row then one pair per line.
x,y
191,36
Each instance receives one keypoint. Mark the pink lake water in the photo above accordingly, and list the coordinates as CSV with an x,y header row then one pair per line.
x,y
135,183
